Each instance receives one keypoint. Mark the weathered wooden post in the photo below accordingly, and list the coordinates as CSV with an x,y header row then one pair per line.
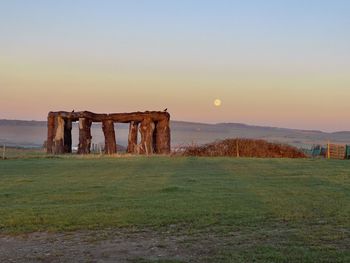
x,y
154,138
68,136
146,129
50,132
162,135
132,138
84,135
58,147
109,133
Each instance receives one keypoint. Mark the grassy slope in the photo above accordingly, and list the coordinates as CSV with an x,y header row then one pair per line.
x,y
280,208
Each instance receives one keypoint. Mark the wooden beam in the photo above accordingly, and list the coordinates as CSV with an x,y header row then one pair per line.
x,y
116,117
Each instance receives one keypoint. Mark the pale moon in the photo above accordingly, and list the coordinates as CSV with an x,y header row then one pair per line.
x,y
217,102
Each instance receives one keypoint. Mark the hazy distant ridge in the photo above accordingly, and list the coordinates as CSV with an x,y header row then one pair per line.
x,y
22,123
33,133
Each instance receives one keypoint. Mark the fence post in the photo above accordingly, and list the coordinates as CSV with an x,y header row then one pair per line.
x,y
3,152
328,150
100,147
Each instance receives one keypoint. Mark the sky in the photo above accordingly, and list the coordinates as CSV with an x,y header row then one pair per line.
x,y
283,63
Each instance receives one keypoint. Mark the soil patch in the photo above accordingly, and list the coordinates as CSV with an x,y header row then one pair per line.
x,y
105,246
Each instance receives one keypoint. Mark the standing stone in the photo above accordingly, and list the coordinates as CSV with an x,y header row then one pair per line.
x,y
84,136
109,133
132,138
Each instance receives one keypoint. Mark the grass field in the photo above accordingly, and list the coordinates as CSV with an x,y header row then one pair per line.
x,y
256,210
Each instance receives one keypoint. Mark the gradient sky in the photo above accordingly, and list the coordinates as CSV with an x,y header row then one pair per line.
x,y
277,63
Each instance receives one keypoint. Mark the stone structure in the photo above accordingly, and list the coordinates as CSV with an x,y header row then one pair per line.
x,y
153,126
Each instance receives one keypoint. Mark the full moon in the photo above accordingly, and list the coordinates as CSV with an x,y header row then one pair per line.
x,y
217,102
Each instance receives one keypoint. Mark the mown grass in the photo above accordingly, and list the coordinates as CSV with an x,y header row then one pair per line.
x,y
266,210
15,153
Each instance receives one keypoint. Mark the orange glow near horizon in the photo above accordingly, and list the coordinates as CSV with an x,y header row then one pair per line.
x,y
29,92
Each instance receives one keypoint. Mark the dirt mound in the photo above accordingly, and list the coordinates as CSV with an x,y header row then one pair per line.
x,y
244,148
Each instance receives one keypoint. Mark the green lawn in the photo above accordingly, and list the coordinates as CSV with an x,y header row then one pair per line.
x,y
283,209
15,153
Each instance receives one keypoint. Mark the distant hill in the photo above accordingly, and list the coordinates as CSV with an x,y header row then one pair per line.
x,y
33,133
4,122
203,133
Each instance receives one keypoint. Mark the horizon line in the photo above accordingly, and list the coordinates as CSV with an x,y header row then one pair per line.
x,y
217,123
